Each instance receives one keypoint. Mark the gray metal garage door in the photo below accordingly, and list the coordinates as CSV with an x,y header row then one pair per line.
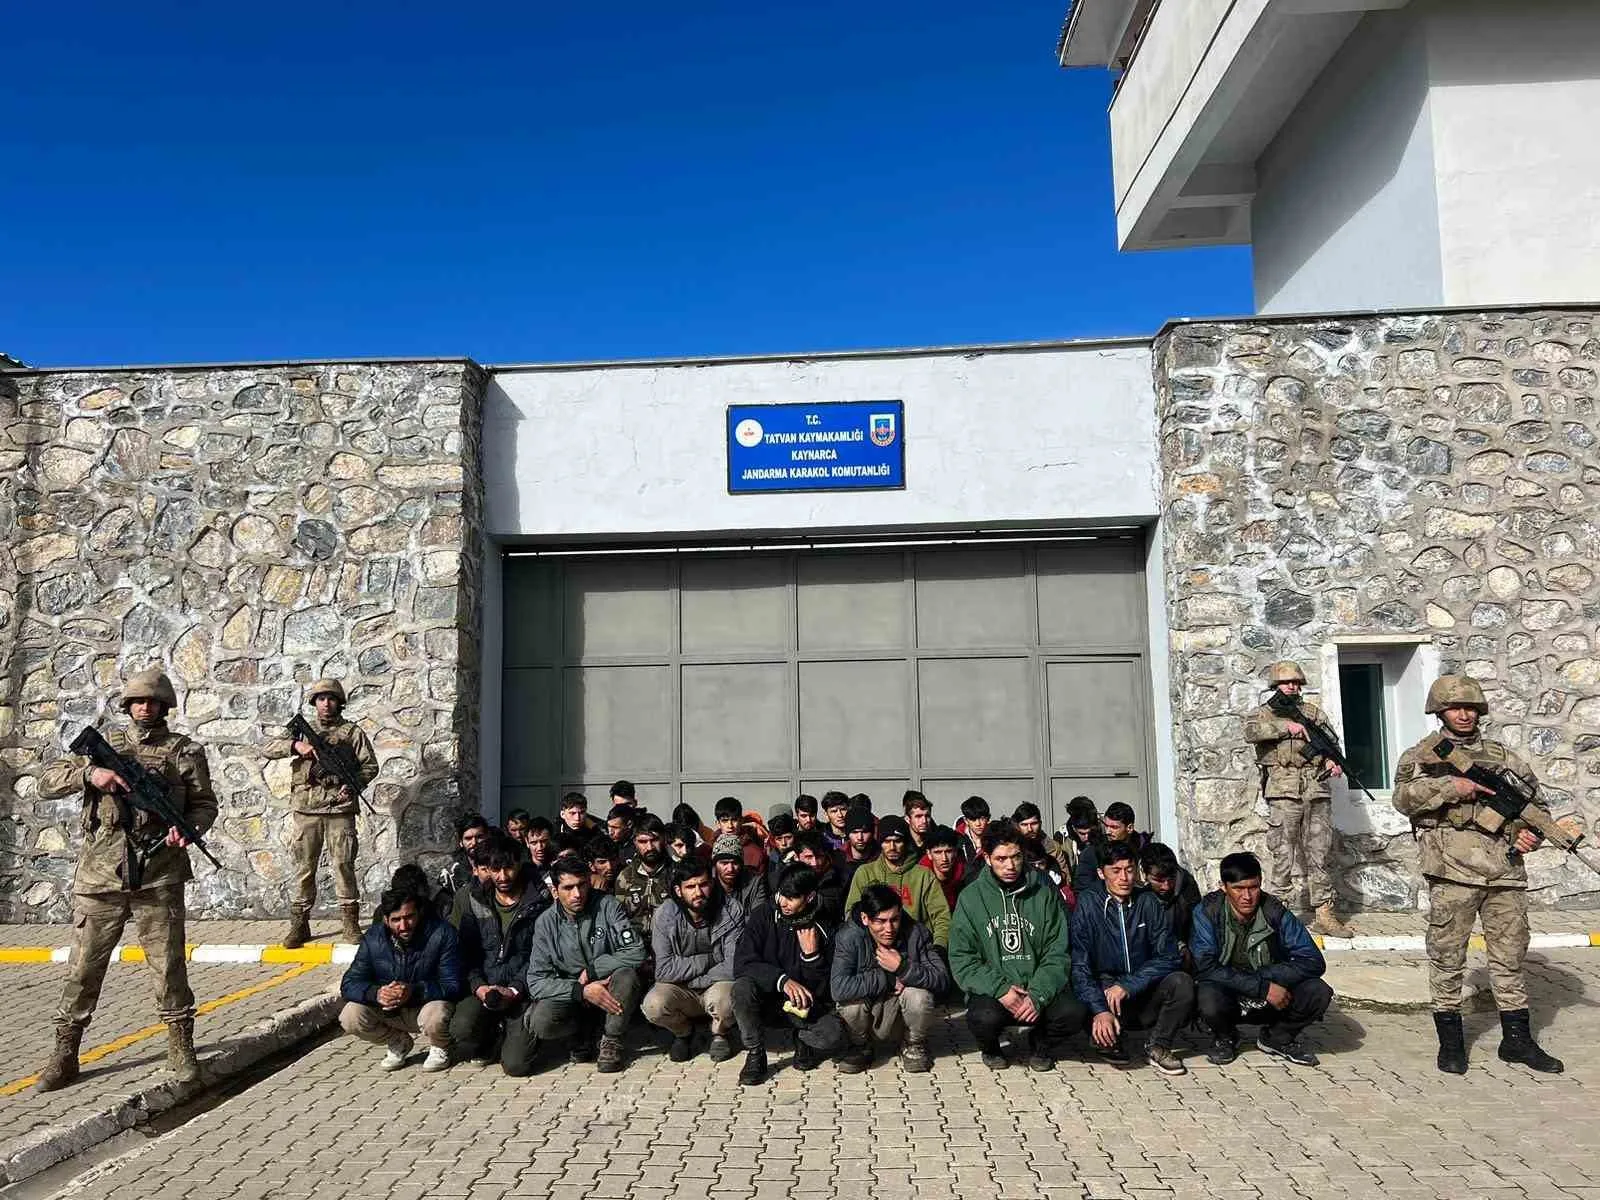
x,y
1016,672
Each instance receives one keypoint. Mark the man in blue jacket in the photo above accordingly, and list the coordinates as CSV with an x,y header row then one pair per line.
x,y
886,976
405,977
583,969
1126,965
1255,963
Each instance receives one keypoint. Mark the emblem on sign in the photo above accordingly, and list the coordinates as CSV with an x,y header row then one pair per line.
x,y
748,432
883,429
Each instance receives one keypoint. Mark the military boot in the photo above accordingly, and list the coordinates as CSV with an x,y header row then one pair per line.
x,y
62,1068
351,915
299,931
1517,1044
180,1051
1329,925
1452,1043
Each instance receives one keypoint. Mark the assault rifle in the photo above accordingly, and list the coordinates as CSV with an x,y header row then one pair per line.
x,y
1321,741
1509,799
334,760
147,792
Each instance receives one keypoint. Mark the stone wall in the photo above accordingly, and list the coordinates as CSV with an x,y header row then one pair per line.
x,y
1425,475
248,529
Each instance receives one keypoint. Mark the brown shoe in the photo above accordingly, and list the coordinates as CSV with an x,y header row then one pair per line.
x,y
611,1057
351,915
299,931
1329,925
62,1068
180,1051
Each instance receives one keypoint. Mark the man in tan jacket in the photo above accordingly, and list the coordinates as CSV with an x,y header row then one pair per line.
x,y
1299,804
102,899
1470,873
325,812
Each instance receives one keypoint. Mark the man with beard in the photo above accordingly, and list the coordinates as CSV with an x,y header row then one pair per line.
x,y
919,818
780,974
471,830
737,880
405,977
920,895
941,854
805,812
694,936
1176,889
812,850
644,885
496,934
1008,952
583,969
1042,853
886,976
861,843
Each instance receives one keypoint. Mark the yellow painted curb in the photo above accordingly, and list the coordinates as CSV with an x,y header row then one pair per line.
x,y
1594,938
315,953
25,954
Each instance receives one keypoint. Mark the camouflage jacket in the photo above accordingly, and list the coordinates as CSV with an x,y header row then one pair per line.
x,y
317,791
641,894
1286,774
1451,846
173,757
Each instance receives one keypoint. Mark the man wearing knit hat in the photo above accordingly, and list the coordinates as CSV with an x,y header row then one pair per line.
x,y
738,881
920,894
860,840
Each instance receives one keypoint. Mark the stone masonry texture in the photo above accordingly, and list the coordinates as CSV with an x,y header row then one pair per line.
x,y
1433,476
247,529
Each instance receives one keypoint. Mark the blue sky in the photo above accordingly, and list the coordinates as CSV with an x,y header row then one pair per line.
x,y
533,182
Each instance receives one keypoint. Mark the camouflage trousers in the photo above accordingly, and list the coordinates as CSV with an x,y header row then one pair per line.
x,y
1300,840
312,831
1452,909
98,920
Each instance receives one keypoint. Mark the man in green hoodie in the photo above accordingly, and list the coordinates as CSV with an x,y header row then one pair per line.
x,y
1008,952
921,897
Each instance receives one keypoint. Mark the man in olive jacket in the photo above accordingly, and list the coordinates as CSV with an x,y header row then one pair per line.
x,y
896,865
1008,952
583,968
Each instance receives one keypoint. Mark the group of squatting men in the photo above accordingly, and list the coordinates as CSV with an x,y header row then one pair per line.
x,y
852,933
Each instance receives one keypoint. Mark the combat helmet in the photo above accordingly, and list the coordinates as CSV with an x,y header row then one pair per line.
x,y
150,684
1287,671
1452,691
326,687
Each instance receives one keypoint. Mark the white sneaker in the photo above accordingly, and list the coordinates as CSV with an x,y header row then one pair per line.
x,y
438,1059
395,1057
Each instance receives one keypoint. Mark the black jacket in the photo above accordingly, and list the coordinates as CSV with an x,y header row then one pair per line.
x,y
1180,907
431,965
487,956
769,953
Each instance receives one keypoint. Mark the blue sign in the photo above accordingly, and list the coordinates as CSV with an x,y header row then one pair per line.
x,y
842,447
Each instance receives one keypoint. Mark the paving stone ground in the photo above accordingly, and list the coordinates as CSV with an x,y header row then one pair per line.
x,y
127,1004
1376,1120
226,933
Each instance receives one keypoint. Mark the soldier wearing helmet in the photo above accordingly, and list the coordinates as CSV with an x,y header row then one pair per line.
x,y
325,813
102,900
1470,874
1299,804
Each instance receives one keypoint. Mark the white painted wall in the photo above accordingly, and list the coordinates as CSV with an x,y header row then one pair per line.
x,y
1345,214
994,438
1515,100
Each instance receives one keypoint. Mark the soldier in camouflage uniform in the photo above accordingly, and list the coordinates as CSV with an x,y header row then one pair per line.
x,y
1470,874
325,813
101,898
1299,805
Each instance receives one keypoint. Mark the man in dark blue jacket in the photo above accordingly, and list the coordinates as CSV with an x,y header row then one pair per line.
x,y
1255,963
780,973
1126,965
405,977
496,934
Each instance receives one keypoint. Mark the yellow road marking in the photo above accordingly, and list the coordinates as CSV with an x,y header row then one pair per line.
x,y
312,953
25,954
149,1031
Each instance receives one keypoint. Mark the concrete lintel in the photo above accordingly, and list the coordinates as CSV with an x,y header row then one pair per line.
x,y
1218,185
